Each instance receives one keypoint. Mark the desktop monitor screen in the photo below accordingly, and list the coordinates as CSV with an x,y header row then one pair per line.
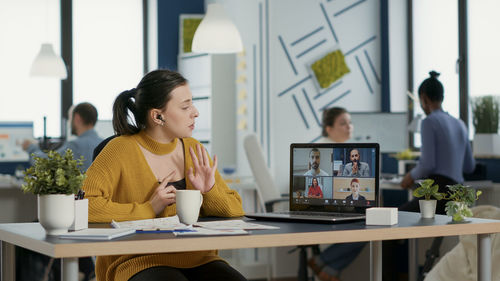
x,y
12,135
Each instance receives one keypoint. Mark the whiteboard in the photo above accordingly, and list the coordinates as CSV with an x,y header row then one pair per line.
x,y
387,129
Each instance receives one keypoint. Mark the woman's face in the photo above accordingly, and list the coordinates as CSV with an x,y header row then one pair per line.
x,y
315,182
342,128
355,187
180,113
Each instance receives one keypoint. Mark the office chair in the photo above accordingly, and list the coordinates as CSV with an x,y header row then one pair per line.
x,y
267,190
101,145
269,194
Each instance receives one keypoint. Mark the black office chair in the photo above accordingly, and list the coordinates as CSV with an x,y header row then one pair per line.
x,y
101,145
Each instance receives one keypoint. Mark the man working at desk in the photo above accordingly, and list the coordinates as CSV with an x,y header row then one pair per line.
x,y
83,118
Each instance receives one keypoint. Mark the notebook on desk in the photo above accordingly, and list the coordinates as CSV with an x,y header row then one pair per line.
x,y
330,182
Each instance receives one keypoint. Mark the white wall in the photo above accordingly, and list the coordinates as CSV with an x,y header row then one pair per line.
x,y
398,54
280,116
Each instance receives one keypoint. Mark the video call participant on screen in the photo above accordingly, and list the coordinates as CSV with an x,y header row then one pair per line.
x,y
314,161
356,168
315,190
355,196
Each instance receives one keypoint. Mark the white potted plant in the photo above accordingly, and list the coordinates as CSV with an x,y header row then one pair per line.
x,y
461,198
428,189
55,180
485,117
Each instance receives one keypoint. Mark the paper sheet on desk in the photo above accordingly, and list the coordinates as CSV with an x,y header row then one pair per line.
x,y
201,231
168,223
233,225
224,227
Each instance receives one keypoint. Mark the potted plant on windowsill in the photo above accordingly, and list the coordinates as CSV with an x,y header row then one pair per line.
x,y
461,198
485,117
55,180
428,189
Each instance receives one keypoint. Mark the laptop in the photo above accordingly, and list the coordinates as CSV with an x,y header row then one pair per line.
x,y
330,182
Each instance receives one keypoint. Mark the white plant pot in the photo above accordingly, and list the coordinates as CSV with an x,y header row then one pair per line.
x,y
486,145
427,208
56,212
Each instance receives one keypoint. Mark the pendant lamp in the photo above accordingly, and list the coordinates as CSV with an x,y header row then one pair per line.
x,y
216,33
48,64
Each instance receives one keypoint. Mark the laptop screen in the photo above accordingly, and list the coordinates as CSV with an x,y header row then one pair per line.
x,y
334,177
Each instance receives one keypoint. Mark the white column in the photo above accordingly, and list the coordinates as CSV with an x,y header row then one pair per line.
x,y
483,257
69,269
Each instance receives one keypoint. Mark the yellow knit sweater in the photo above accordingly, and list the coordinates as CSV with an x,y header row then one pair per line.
x,y
119,185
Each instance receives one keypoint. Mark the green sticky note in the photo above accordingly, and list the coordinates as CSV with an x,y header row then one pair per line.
x,y
330,68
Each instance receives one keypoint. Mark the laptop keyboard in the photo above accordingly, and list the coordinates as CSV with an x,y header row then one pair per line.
x,y
301,213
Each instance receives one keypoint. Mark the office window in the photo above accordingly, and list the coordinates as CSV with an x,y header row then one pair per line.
x,y
483,44
24,26
107,50
435,47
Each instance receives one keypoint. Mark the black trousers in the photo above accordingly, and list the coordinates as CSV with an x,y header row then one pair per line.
x,y
395,252
216,270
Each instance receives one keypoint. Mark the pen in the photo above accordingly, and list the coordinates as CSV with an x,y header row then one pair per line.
x,y
164,230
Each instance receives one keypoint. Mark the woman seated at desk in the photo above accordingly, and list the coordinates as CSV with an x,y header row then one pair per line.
x,y
137,173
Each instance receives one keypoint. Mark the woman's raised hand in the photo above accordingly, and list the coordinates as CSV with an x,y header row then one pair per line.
x,y
203,177
164,195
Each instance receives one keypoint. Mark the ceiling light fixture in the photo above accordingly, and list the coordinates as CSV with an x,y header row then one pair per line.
x,y
48,64
216,33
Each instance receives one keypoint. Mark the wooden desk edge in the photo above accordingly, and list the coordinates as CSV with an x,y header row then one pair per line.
x,y
181,244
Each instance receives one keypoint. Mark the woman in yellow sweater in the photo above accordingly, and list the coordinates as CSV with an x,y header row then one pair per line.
x,y
137,173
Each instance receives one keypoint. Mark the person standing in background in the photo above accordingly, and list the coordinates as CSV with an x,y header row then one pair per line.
x,y
445,153
83,118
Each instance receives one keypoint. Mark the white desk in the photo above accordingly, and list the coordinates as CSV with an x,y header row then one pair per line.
x,y
32,236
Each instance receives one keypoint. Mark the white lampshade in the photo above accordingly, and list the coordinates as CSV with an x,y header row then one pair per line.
x,y
48,64
216,33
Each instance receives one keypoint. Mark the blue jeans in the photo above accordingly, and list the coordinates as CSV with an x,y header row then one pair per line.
x,y
338,256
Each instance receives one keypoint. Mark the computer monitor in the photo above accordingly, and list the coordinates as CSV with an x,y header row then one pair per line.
x,y
12,135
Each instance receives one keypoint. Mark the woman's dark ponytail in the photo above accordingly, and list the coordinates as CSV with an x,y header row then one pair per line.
x,y
123,103
432,88
153,92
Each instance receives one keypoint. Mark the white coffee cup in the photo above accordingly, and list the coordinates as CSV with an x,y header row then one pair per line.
x,y
188,203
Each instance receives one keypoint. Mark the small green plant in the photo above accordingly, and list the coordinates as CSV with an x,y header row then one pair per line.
x,y
55,174
485,114
428,189
461,198
406,154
